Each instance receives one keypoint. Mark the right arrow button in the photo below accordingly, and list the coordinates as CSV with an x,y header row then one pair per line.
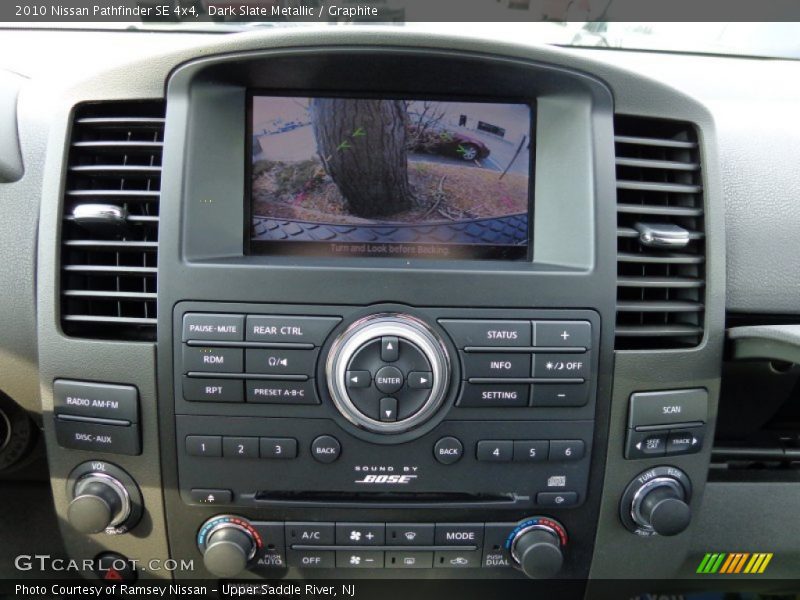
x,y
420,380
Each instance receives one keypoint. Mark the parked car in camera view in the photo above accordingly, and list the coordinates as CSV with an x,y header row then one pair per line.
x,y
439,140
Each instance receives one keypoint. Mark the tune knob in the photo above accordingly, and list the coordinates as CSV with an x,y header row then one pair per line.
x,y
228,544
99,502
536,547
657,502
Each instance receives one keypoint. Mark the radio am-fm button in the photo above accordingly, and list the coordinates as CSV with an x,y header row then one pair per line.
x,y
326,449
448,450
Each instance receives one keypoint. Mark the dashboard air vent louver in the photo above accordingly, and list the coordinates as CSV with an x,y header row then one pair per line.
x,y
660,234
110,221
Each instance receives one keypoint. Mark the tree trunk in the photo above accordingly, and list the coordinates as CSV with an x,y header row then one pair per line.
x,y
362,144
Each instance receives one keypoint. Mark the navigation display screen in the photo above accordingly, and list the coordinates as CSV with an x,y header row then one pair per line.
x,y
360,177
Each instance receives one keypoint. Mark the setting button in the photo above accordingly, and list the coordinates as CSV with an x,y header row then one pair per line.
x,y
494,394
389,379
563,334
326,449
448,450
496,365
213,360
561,366
213,327
468,333
298,330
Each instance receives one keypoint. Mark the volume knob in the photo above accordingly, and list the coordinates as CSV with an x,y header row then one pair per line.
x,y
99,502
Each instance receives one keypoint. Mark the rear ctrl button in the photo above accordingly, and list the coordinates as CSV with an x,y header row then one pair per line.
x,y
448,450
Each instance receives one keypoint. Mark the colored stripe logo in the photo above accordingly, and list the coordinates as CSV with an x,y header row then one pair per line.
x,y
732,563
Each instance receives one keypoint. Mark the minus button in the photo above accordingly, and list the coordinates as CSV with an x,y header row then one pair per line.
x,y
560,394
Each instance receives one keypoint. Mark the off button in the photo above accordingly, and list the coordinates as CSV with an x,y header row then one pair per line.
x,y
448,450
326,449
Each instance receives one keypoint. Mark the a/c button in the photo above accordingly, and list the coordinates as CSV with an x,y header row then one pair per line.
x,y
326,449
448,450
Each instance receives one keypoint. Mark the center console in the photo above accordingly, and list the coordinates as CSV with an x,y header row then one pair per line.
x,y
372,379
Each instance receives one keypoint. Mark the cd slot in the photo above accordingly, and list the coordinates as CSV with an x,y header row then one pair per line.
x,y
385,499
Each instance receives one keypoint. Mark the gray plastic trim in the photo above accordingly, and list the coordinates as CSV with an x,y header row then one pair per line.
x,y
774,342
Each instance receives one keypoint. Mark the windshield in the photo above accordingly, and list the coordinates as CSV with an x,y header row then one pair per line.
x,y
768,40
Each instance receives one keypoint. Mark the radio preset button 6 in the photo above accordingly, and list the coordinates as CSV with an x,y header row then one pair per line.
x,y
298,330
469,333
566,449
213,360
213,327
448,450
494,395
326,449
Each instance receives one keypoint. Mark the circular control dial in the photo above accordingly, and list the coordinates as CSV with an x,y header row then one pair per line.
x,y
657,502
388,373
536,547
228,543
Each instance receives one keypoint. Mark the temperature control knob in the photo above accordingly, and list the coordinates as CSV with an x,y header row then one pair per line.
x,y
228,544
99,502
536,547
657,502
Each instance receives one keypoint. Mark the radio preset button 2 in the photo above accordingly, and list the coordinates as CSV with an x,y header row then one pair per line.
x,y
240,447
326,449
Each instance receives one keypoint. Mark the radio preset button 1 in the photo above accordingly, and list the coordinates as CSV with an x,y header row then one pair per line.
x,y
281,362
495,451
291,329
271,391
213,327
448,450
213,360
494,395
459,534
409,534
561,366
563,334
326,449
204,445
310,534
479,364
212,390
469,333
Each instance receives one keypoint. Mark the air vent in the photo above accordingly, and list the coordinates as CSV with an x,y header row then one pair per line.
x,y
110,229
660,237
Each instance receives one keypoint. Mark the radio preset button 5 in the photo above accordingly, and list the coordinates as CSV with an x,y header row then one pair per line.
x,y
298,330
469,333
326,449
531,451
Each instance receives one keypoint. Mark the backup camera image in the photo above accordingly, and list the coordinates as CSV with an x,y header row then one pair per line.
x,y
389,177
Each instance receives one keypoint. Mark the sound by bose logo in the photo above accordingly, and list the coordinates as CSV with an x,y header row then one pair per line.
x,y
391,479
